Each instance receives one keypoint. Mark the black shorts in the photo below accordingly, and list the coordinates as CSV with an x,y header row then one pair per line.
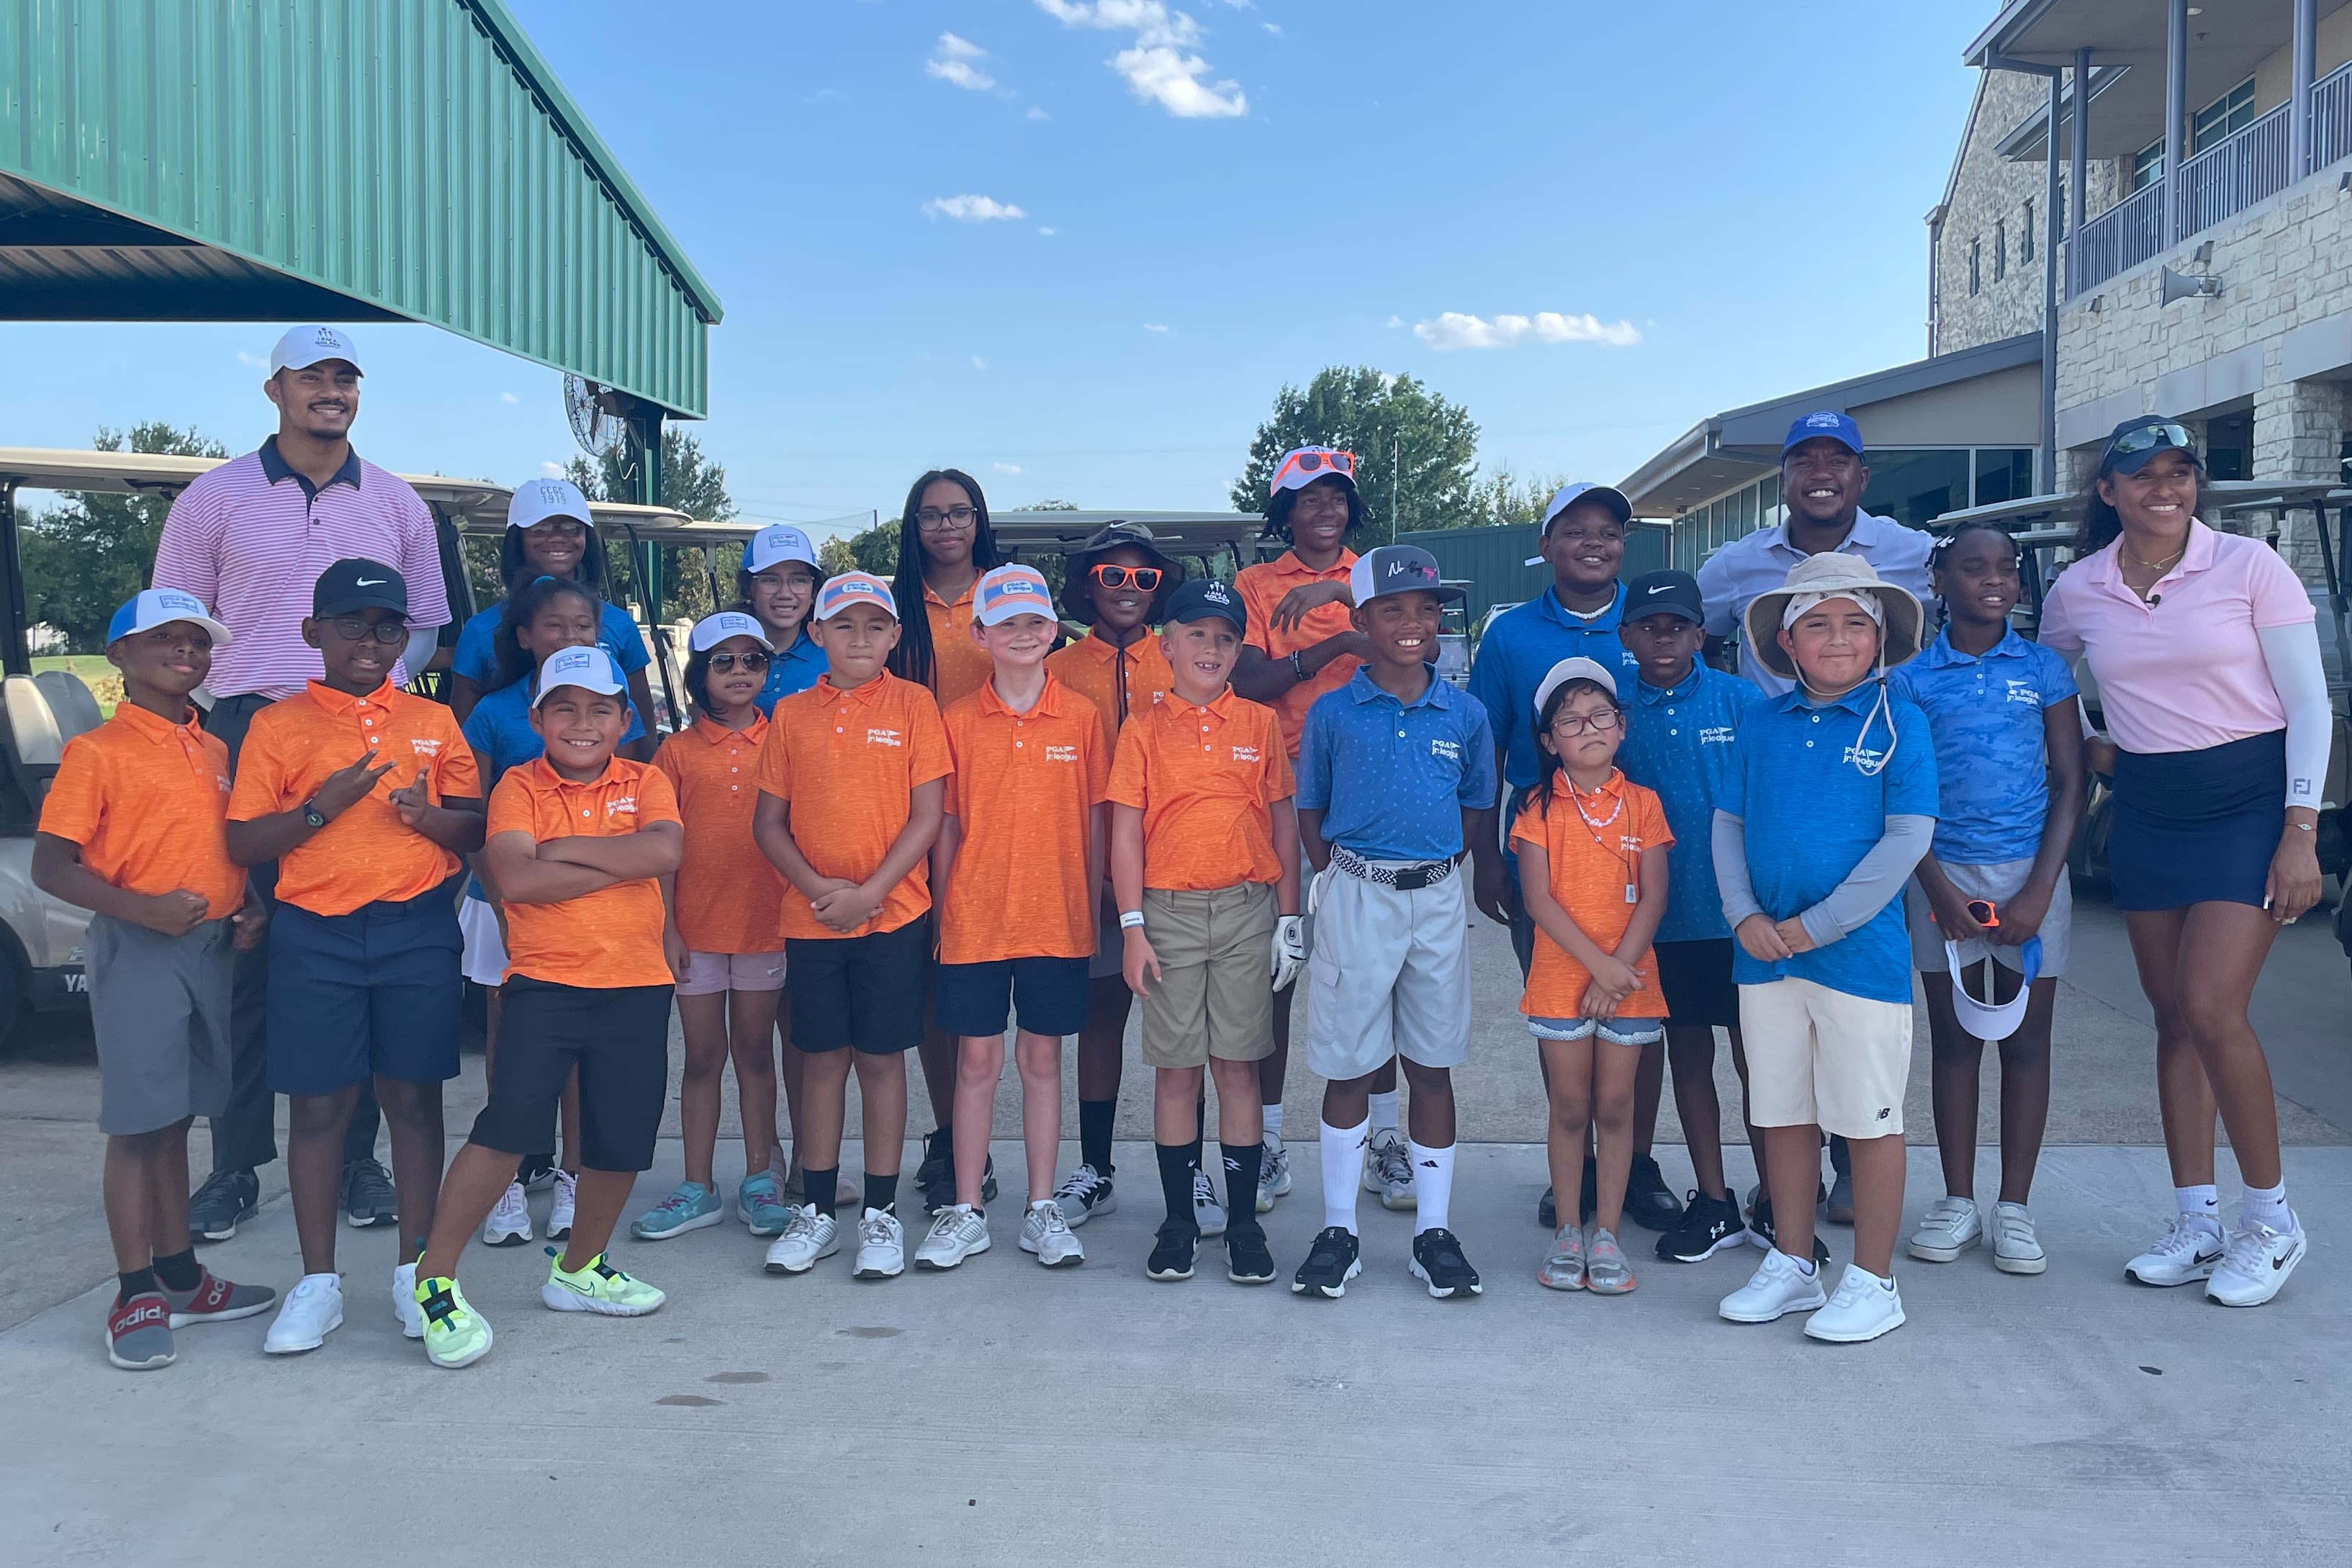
x,y
1697,979
862,991
617,1037
1048,995
371,994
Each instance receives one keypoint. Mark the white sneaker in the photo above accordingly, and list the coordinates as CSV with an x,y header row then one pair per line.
x,y
2016,1245
1864,1308
1207,1212
403,1302
2256,1265
1387,1170
560,1206
510,1223
2187,1251
313,1309
1949,1227
957,1232
881,1246
1780,1285
809,1237
1273,1176
1044,1231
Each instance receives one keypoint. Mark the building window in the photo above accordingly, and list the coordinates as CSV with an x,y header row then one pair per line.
x,y
2003,473
2148,166
1913,485
2000,249
2025,235
1976,265
2226,115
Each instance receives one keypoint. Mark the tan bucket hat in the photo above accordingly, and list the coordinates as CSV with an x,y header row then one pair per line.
x,y
1834,573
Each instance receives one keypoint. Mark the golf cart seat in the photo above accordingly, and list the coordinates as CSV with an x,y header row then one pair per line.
x,y
43,713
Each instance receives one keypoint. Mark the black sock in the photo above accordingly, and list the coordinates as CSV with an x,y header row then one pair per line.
x,y
882,1192
138,1282
1200,1128
181,1271
1094,1133
820,1187
1176,1180
1241,1182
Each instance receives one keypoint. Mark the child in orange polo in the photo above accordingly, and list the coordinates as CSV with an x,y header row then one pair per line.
x,y
1204,854
1017,865
1592,865
576,845
853,777
133,830
366,796
721,941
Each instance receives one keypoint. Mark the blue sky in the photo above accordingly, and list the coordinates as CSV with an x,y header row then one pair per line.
x,y
1076,246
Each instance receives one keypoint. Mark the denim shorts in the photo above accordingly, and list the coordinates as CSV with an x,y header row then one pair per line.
x,y
1616,1031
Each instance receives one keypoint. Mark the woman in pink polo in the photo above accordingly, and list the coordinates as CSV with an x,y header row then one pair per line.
x,y
2206,658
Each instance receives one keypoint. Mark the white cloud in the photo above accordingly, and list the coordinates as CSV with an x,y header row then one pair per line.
x,y
1396,321
955,48
1037,113
957,62
1006,468
508,397
551,471
1155,326
256,361
1453,330
977,363
826,95
1160,67
972,209
1273,27
1048,233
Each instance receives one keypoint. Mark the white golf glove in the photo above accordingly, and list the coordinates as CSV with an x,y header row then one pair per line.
x,y
1289,949
1315,888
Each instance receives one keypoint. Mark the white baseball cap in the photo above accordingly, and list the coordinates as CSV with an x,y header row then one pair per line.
x,y
588,669
304,346
153,607
1004,592
711,630
778,541
1568,669
536,501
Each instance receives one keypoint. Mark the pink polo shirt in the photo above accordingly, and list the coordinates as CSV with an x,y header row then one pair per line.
x,y
2186,673
250,537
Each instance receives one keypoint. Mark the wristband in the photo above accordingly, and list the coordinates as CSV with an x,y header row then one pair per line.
x,y
1295,667
1130,920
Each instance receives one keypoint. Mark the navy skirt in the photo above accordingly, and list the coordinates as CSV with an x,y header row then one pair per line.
x,y
2193,827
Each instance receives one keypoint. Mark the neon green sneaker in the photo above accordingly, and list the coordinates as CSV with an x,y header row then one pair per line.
x,y
455,1334
599,1288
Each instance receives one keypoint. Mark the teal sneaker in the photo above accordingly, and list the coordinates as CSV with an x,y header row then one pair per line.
x,y
599,1288
455,1334
692,1206
761,1203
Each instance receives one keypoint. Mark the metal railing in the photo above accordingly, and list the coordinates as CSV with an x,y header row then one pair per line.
x,y
2118,239
2331,117
2242,168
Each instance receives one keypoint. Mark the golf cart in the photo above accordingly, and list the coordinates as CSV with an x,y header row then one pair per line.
x,y
1206,543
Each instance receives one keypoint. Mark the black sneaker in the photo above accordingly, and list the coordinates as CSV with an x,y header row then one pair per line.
x,y
1084,1194
1248,1260
1172,1253
368,1195
1548,1211
935,1177
1759,1229
987,1180
1708,1226
1648,1202
226,1200
538,1172
1437,1262
1330,1263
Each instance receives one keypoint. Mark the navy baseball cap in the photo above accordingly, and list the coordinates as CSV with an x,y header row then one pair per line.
x,y
1829,422
1205,598
1666,593
355,583
2135,443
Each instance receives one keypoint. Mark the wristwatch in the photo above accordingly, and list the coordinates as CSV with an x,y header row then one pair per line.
x,y
313,816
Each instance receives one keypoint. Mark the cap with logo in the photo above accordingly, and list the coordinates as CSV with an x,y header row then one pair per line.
x,y
1004,592
537,500
1567,496
778,542
588,669
1824,422
1397,569
1666,594
144,611
1568,669
356,583
2135,443
1205,599
854,588
711,630
303,347
1302,465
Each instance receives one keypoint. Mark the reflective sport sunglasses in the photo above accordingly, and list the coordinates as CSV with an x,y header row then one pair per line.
x,y
1146,578
2146,440
720,663
1314,461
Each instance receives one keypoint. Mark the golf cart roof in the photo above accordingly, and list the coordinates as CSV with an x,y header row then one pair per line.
x,y
1176,532
130,473
617,521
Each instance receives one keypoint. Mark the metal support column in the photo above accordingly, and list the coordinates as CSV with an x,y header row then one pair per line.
x,y
2080,172
2176,112
16,658
2305,63
2052,225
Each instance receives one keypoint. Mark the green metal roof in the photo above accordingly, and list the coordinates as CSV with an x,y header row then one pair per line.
x,y
337,160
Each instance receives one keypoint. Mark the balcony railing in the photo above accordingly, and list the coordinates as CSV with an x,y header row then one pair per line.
x,y
2331,118
2117,240
2242,168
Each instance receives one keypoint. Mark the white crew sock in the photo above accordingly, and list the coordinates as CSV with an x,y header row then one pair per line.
x,y
1432,1182
1384,1112
1273,1115
2201,1203
1342,1148
2267,1205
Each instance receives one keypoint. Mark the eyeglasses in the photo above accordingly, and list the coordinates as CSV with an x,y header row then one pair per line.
x,y
351,628
720,663
2150,438
955,520
1314,461
1600,722
1144,577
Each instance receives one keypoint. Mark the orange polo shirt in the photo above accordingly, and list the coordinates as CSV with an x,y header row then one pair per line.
x,y
1206,780
367,854
608,938
729,897
1591,867
1119,681
847,762
148,801
1262,588
1022,787
960,666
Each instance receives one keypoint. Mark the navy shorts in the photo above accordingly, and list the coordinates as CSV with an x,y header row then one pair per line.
x,y
862,991
618,1039
1049,994
1696,977
375,993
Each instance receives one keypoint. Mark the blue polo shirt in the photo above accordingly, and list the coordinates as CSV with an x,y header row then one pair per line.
x,y
1679,742
1985,712
499,729
1812,815
1393,780
475,656
794,669
1519,649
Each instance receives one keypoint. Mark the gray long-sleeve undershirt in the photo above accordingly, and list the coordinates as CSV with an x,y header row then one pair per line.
x,y
1874,882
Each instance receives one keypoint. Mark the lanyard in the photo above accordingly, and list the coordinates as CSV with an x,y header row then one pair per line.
x,y
1632,889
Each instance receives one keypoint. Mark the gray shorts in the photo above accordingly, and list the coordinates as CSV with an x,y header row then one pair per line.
x,y
1389,976
1999,883
159,1007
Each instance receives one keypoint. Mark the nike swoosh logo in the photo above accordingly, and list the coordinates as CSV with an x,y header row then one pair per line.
x,y
368,582
1662,588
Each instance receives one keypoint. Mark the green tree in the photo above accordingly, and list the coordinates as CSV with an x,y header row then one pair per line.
x,y
82,559
692,482
1416,453
1504,499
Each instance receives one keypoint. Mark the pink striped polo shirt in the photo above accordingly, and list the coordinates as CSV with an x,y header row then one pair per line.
x,y
250,537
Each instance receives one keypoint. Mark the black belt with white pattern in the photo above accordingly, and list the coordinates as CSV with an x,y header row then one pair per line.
x,y
1403,878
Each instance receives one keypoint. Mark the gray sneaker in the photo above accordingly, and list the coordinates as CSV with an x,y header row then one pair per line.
x,y
368,1195
226,1200
139,1333
1564,1270
1606,1272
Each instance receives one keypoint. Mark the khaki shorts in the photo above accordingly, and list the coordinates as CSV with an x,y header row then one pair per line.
x,y
1823,1058
1214,995
716,973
